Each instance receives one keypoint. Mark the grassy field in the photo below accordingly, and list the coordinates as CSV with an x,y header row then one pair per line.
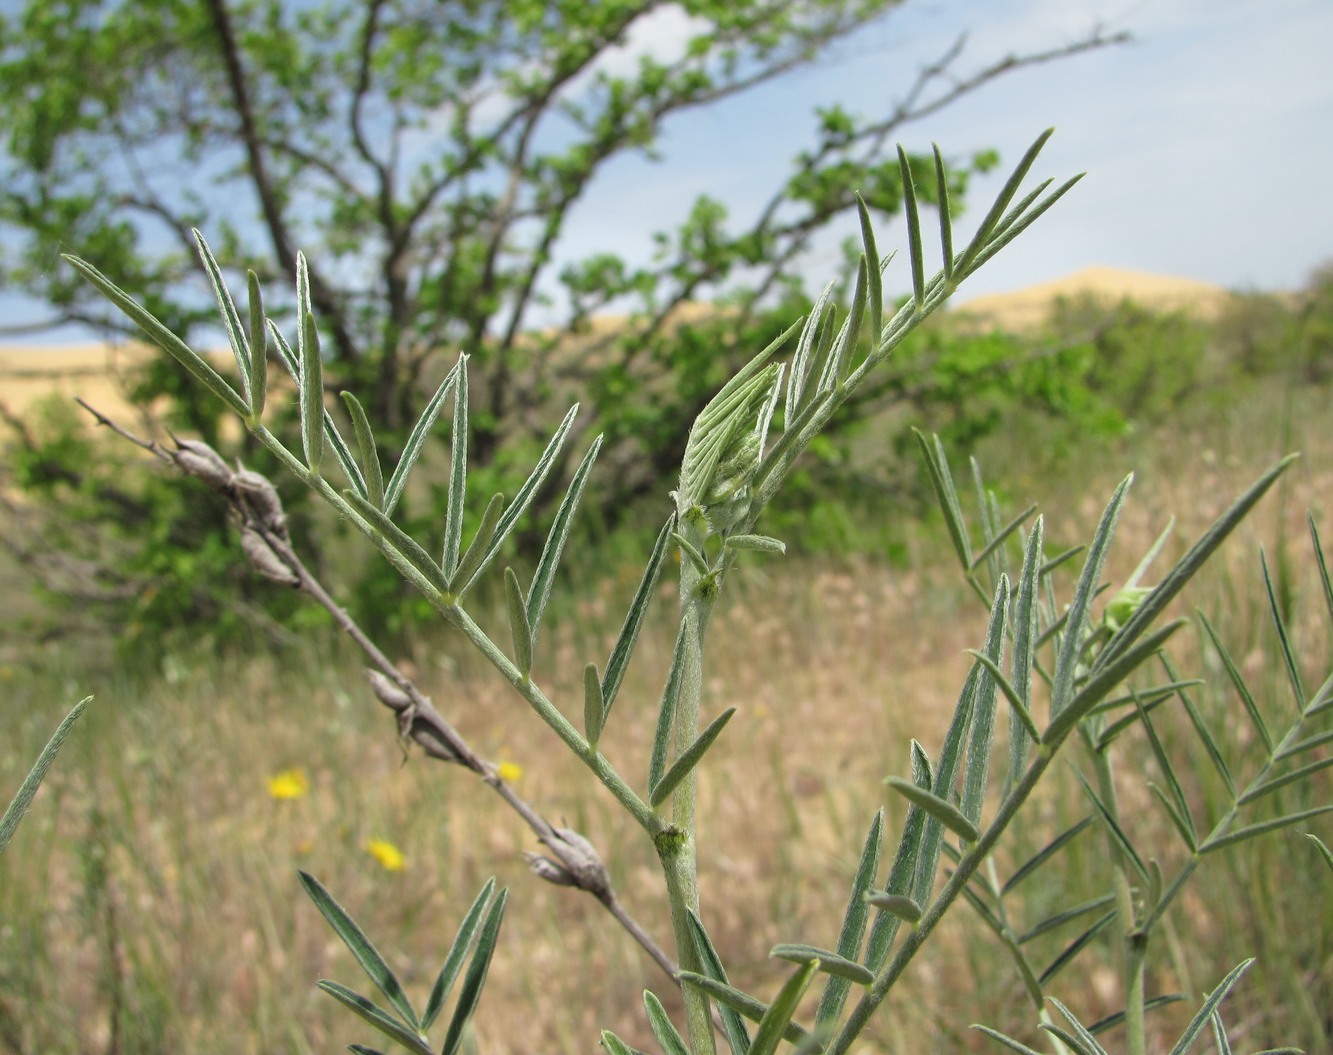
x,y
150,901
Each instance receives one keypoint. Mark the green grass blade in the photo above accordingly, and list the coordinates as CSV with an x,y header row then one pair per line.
x,y
376,1016
416,439
773,1026
666,712
983,715
258,347
874,278
1117,833
1262,828
688,759
914,247
941,479
482,548
1284,639
854,921
519,629
458,435
361,947
1071,648
332,437
946,222
28,789
475,978
1001,204
594,706
544,578
629,631
1059,919
528,491
370,459
1035,862
1072,950
160,335
1164,593
830,963
737,1035
453,960
1209,1006
663,1030
1238,682
941,809
231,318
406,546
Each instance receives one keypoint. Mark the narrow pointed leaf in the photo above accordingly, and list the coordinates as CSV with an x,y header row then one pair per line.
x,y
942,480
519,630
914,247
1022,217
946,223
737,1035
1220,1040
1209,742
1301,746
874,279
1184,570
544,578
475,978
844,345
666,712
997,209
312,395
27,791
1181,811
458,436
615,1046
1035,862
1026,723
1283,639
401,542
377,1017
1113,826
332,437
688,759
663,1030
756,543
1022,727
773,1026
1209,1006
160,335
528,491
453,960
1085,1039
1238,683
1074,948
904,908
743,1003
361,1049
1007,1041
258,347
1068,1039
1062,692
416,440
1184,824
629,631
1296,776
854,920
801,359
1262,828
943,811
1059,919
1111,1021
483,545
366,954
1324,578
231,318
1001,536
1324,851
902,871
594,707
983,713
370,459
829,962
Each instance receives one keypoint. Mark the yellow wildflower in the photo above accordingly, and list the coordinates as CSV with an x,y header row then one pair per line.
x,y
289,784
509,772
391,858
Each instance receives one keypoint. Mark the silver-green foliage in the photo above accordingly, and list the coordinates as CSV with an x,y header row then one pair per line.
x,y
1064,674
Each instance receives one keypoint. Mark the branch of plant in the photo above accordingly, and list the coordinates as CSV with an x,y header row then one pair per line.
x,y
579,864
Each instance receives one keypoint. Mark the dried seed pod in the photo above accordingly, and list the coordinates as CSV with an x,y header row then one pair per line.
x,y
389,693
580,861
551,871
264,560
199,459
262,499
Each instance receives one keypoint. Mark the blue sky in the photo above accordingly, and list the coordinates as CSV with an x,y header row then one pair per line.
x,y
1207,140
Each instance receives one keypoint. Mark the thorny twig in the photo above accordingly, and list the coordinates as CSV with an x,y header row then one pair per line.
x,y
257,512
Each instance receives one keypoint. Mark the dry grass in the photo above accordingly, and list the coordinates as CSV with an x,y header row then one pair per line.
x,y
150,902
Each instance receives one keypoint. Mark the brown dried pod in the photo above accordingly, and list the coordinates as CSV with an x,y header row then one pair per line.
x,y
579,859
199,459
262,499
264,560
388,692
551,871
